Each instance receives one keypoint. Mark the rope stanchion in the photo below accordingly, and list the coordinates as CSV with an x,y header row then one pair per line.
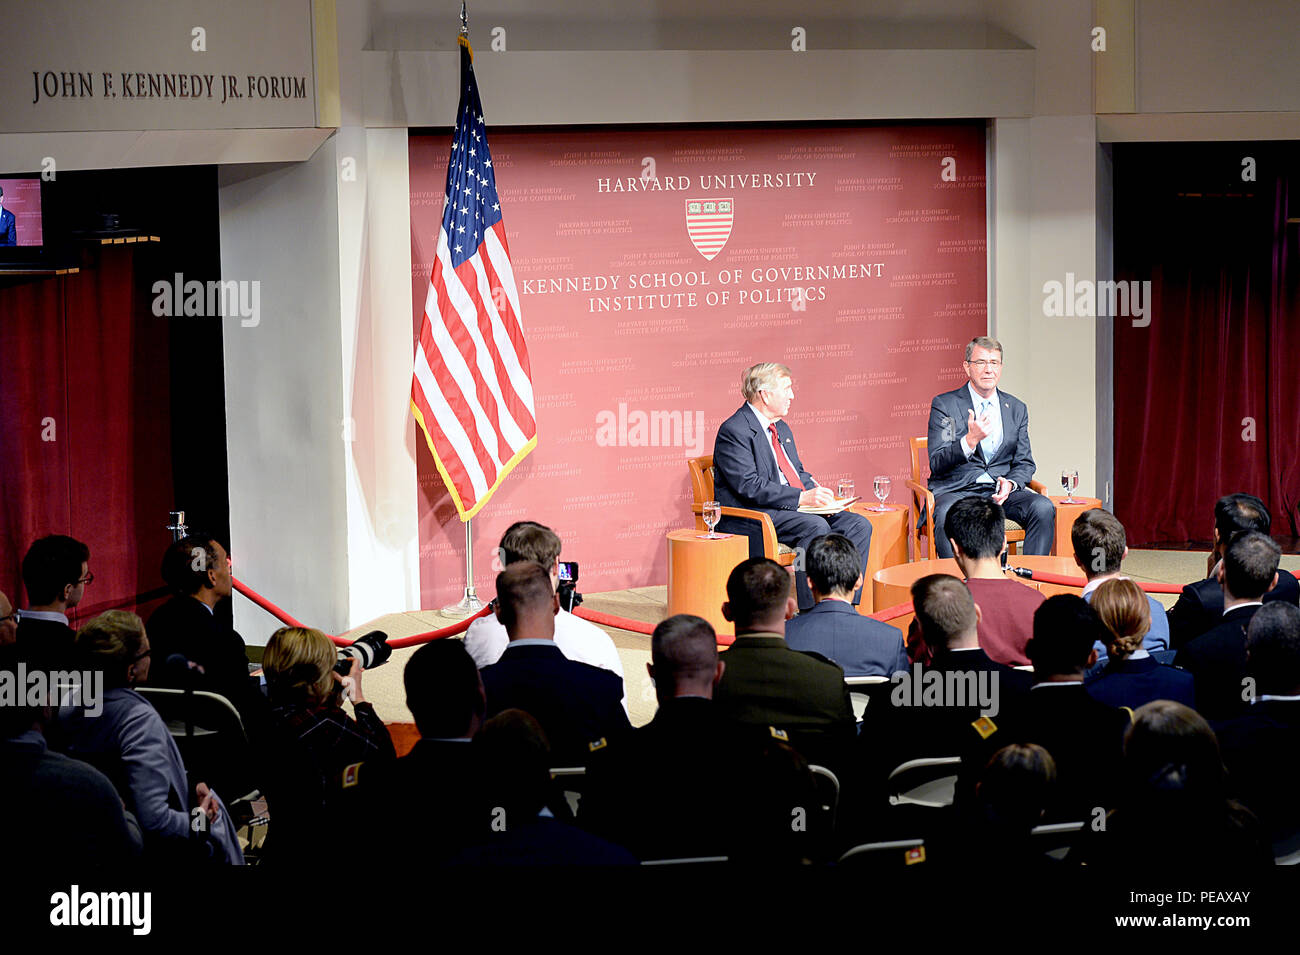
x,y
416,638
609,620
892,613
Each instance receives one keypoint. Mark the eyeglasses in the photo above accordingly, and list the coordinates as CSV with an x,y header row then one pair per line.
x,y
13,616
984,362
140,656
88,579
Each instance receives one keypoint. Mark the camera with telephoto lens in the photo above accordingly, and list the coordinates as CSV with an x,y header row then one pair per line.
x,y
369,650
567,588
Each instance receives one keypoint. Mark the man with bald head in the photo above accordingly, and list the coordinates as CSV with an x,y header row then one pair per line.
x,y
578,705
659,791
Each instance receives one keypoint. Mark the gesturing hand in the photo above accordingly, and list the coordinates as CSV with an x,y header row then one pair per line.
x,y
977,429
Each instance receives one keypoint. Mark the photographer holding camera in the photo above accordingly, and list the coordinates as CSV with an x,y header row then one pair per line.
x,y
318,759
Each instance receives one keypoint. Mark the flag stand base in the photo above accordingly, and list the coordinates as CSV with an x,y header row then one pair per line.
x,y
465,606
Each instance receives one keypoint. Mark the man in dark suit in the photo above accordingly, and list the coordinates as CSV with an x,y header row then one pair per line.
x,y
56,570
1262,748
834,628
443,772
766,685
979,444
1217,658
1200,605
577,705
1084,737
757,467
895,730
8,224
690,783
194,625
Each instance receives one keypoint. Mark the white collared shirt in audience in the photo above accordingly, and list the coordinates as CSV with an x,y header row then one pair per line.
x,y
579,640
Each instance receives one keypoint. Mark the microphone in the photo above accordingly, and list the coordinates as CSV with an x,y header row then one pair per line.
x,y
1022,572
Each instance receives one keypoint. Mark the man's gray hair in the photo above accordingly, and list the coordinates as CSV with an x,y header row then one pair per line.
x,y
762,377
983,341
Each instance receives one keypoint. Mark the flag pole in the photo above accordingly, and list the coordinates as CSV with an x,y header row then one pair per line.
x,y
469,603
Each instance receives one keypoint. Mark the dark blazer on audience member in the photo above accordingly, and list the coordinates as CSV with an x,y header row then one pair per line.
x,y
1262,752
767,684
689,783
576,704
860,645
1217,659
446,778
1132,683
47,644
62,812
891,735
1084,736
1200,606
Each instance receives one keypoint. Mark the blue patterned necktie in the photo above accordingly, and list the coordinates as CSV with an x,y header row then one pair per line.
x,y
990,443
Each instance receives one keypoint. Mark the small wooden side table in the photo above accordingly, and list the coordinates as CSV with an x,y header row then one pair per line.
x,y
697,573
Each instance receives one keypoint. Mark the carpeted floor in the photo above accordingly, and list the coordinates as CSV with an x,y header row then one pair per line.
x,y
383,686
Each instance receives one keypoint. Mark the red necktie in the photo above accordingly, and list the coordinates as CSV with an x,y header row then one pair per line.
x,y
787,468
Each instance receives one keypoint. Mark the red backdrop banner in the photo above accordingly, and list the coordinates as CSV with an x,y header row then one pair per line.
x,y
654,266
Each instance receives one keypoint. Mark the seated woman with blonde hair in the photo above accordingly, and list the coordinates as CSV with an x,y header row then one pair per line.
x,y
1131,676
129,743
319,760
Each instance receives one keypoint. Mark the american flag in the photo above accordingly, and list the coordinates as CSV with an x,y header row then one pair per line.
x,y
472,391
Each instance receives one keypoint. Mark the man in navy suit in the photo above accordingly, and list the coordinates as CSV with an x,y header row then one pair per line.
x,y
1217,658
833,628
1262,748
1200,605
578,705
756,466
979,445
8,224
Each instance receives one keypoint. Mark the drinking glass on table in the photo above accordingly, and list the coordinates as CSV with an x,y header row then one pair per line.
x,y
881,485
844,490
712,514
1069,481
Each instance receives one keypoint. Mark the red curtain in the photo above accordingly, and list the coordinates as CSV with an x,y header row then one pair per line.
x,y
84,440
1207,399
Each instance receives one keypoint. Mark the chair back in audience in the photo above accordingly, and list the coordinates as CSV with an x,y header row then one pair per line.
x,y
895,854
827,786
696,860
860,697
570,780
1056,838
210,735
928,782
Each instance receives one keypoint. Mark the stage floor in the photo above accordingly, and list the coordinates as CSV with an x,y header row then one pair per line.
x,y
383,687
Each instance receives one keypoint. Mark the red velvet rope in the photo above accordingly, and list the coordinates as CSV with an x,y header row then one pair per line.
x,y
638,626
